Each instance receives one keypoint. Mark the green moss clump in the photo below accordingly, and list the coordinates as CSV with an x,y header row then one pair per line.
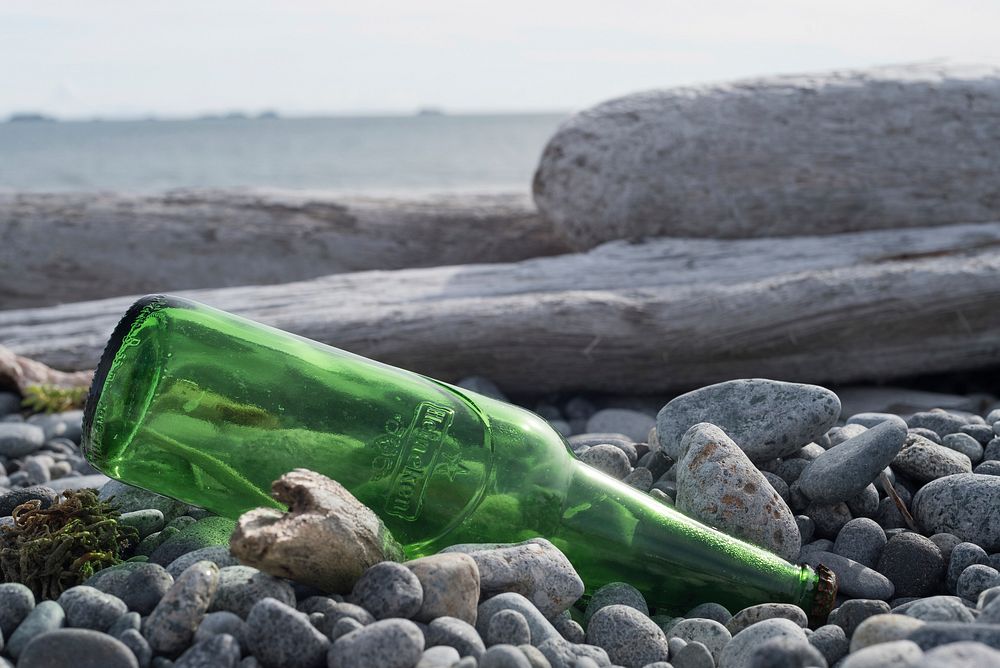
x,y
52,549
53,399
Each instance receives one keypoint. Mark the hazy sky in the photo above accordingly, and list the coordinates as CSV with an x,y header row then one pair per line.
x,y
181,57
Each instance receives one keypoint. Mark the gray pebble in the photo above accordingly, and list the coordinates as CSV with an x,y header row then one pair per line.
x,y
441,656
10,403
504,656
220,651
80,648
838,435
963,555
989,467
15,497
140,585
138,646
541,628
976,579
966,505
16,602
865,503
938,609
883,629
896,653
923,461
217,554
241,587
146,521
19,439
789,470
640,478
532,653
853,579
913,564
342,627
960,655
390,643
715,611
708,632
388,589
810,451
692,655
535,568
938,421
946,542
717,484
456,633
992,450
852,612
280,636
507,627
831,641
829,518
675,645
739,650
983,433
931,436
568,628
171,626
766,418
806,527
607,459
934,634
46,616
628,636
756,613
844,471
130,620
862,540
339,611
615,593
786,652
965,444
777,484
89,608
216,623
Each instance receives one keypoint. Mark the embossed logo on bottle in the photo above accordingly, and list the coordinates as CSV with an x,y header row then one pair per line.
x,y
419,451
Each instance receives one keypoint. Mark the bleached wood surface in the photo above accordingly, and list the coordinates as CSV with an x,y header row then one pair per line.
x,y
664,315
75,246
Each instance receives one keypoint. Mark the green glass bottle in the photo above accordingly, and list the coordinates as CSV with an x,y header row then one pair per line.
x,y
210,408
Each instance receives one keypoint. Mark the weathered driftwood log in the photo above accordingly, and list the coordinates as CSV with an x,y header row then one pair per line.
x,y
72,247
665,315
792,155
20,373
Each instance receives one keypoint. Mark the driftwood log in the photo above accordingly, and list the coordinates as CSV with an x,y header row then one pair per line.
x,y
902,146
660,316
71,247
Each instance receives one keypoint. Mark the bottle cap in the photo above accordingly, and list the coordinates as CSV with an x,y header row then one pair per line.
x,y
826,594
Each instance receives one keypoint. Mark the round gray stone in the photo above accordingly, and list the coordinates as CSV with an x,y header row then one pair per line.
x,y
708,632
145,521
960,654
739,650
607,459
282,637
132,639
756,613
913,564
90,608
897,653
629,637
16,602
46,616
615,593
766,418
171,626
80,648
18,439
849,614
939,421
966,505
216,623
786,652
938,609
963,555
862,540
217,554
845,470
140,585
715,611
388,589
450,585
219,651
241,587
976,579
508,627
456,633
504,656
831,641
923,461
390,643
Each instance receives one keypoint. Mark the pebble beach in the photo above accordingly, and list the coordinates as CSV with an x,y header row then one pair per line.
x,y
902,507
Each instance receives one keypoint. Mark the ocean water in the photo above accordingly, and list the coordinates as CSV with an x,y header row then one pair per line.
x,y
387,155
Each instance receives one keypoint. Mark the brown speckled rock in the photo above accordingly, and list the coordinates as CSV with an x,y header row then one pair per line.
x,y
321,513
718,485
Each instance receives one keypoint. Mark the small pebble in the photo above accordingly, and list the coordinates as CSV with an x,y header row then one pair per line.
x,y
692,655
89,608
842,472
615,593
9,500
46,616
139,585
862,540
883,629
946,542
628,636
961,654
16,603
342,627
913,564
138,646
146,521
938,609
739,650
607,459
441,656
922,461
787,652
851,613
220,651
456,633
507,627
829,518
130,620
79,648
939,421
20,439
282,637
934,634
171,626
388,589
831,641
715,611
976,579
217,554
963,555
504,656
241,587
757,613
896,653
390,643
541,628
708,632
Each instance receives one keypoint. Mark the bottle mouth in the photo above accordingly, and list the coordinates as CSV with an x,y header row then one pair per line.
x,y
123,339
826,593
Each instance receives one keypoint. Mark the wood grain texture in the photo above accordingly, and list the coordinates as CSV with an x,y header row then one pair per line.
x,y
71,247
665,315
824,153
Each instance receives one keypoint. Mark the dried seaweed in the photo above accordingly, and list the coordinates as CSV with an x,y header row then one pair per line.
x,y
52,398
52,549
